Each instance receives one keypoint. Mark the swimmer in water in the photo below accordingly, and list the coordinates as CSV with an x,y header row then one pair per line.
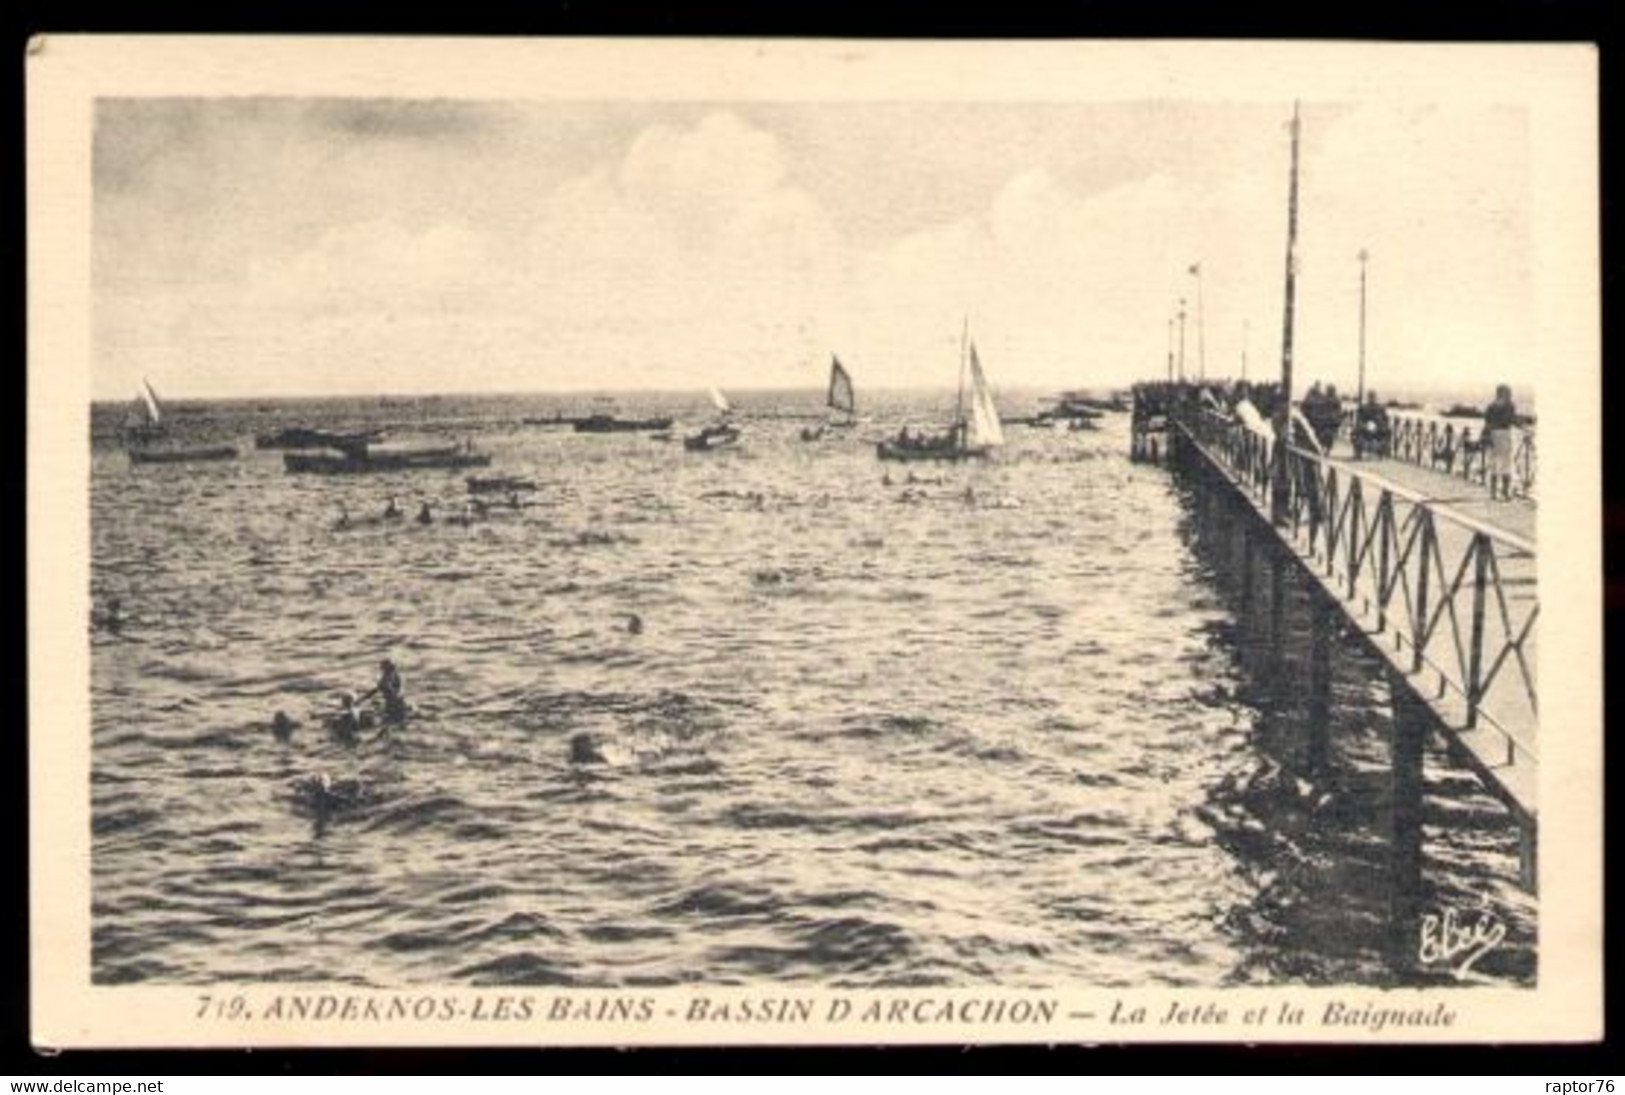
x,y
113,619
282,726
347,723
634,624
424,516
344,517
392,512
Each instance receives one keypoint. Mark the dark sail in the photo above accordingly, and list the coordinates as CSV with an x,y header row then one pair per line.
x,y
841,397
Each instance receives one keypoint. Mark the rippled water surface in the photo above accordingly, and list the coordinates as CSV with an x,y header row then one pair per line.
x,y
988,728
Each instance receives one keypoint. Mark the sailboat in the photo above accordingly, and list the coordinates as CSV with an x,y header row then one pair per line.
x,y
146,420
973,435
150,427
841,400
718,434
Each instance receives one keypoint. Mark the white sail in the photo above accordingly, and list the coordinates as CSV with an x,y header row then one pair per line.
x,y
149,399
983,427
720,401
841,396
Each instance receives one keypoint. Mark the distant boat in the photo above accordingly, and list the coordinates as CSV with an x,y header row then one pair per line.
x,y
147,438
302,437
973,435
840,399
498,484
1074,402
719,434
608,423
146,421
182,455
370,459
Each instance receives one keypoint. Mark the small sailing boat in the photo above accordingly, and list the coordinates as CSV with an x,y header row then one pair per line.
x,y
150,427
975,432
717,435
841,400
146,420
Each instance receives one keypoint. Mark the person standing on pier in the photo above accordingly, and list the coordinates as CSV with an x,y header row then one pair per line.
x,y
1500,418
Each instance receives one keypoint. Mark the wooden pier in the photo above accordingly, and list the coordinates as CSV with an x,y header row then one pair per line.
x,y
1416,562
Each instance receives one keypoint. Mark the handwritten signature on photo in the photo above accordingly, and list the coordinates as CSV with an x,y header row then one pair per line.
x,y
1459,938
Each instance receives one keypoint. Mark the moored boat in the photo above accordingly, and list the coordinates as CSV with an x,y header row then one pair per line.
x,y
368,459
498,484
182,454
608,423
717,435
304,437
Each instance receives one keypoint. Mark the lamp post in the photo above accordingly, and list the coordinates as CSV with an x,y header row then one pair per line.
x,y
1359,396
1280,487
1201,327
1182,340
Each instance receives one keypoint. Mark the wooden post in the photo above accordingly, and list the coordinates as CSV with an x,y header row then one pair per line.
x,y
1247,606
1320,684
1277,657
1419,621
1351,530
1385,533
1528,862
1410,726
1475,653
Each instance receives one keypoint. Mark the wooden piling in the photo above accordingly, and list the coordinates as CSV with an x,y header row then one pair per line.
x,y
1411,719
1320,686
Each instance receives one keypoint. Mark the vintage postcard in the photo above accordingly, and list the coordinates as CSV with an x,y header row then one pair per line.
x,y
663,542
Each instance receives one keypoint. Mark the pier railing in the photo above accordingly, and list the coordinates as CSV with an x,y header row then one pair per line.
x,y
1454,597
1455,448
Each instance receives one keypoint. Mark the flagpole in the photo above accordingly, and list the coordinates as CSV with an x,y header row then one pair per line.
x,y
1170,349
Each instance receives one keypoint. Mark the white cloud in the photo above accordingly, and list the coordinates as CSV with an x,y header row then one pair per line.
x,y
700,253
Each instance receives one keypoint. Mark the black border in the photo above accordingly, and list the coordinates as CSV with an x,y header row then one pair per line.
x,y
1395,20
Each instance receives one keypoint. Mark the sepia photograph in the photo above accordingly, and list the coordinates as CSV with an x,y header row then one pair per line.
x,y
654,541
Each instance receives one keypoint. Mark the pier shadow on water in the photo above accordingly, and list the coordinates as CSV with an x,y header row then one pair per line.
x,y
1314,822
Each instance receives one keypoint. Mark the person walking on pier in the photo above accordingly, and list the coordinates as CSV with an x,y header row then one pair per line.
x,y
1500,418
1372,433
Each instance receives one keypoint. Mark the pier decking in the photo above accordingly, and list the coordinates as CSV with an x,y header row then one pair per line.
x,y
1418,563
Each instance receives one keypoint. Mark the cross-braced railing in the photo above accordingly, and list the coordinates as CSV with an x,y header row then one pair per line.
x,y
1459,594
1455,448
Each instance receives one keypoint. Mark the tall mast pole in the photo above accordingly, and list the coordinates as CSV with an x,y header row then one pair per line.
x,y
959,400
1181,340
1283,407
1359,397
1170,349
1246,334
1201,325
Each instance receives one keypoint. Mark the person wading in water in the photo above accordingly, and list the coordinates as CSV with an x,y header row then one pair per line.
x,y
391,690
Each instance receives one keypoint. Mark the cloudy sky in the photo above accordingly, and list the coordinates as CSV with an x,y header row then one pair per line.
x,y
312,246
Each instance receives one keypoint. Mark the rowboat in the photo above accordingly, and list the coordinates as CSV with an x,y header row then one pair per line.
x,y
184,455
